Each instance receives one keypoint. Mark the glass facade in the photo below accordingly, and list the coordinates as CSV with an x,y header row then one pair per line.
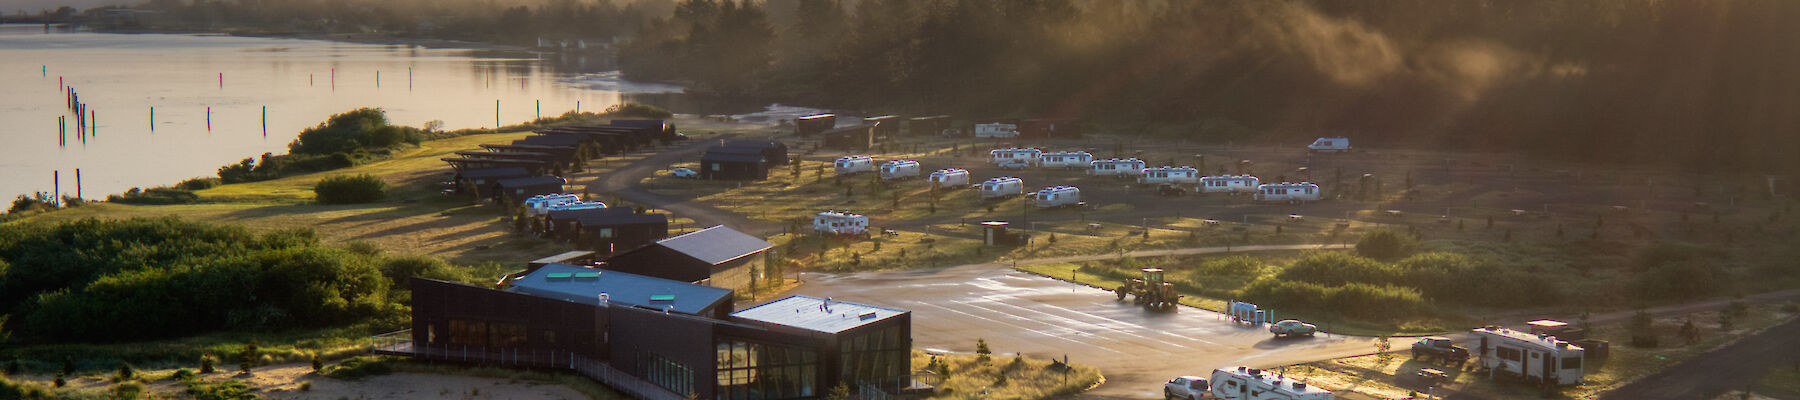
x,y
757,371
670,375
876,356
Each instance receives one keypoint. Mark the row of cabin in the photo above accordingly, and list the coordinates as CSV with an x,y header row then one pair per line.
x,y
529,166
873,129
745,160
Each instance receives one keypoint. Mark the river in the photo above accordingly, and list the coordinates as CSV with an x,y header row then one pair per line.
x,y
122,77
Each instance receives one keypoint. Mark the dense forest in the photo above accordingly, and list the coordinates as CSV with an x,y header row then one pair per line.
x,y
1700,84
1705,84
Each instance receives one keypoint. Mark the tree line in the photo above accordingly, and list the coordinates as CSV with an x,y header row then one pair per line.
x,y
1695,84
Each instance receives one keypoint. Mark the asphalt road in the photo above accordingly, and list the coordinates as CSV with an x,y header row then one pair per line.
x,y
1733,367
1042,317
624,182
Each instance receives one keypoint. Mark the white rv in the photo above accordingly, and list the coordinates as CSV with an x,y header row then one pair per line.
x,y
1058,196
996,130
540,204
950,178
899,169
853,164
1116,167
1065,159
1536,357
579,205
1170,175
1288,192
1229,184
1014,156
841,223
1244,383
1329,145
1002,187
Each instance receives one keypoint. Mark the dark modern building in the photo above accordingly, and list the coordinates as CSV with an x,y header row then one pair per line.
x,y
664,131
886,126
928,126
814,124
517,189
859,137
484,178
734,163
659,339
606,229
774,153
693,256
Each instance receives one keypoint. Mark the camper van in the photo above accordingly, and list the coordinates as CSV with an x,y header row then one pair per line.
x,y
1065,159
1058,196
853,164
1229,184
950,178
899,169
1005,157
996,130
1329,145
1183,175
540,204
1002,187
841,223
1117,167
1245,383
1288,192
1535,357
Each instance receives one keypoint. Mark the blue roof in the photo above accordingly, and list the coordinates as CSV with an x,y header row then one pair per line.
x,y
584,285
812,313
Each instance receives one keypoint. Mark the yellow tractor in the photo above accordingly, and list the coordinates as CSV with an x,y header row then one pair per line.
x,y
1151,291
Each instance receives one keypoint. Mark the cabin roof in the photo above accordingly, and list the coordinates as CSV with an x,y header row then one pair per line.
x,y
502,172
715,245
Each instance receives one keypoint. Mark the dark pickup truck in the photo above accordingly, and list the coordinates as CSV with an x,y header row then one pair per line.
x,y
1442,349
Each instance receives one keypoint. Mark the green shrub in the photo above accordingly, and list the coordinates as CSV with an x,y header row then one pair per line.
x,y
362,128
1354,300
128,390
1382,244
1239,266
198,184
1679,280
155,196
355,368
1338,268
223,390
637,110
350,189
183,374
25,203
206,363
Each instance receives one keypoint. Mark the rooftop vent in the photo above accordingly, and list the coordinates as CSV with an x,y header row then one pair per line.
x,y
587,275
558,275
866,315
662,297
1299,385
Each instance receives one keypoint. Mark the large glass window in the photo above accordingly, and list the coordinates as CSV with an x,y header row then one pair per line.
x,y
506,335
757,371
468,333
876,356
670,375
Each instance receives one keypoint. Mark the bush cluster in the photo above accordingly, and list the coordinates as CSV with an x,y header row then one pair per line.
x,y
359,129
81,280
1382,244
638,110
155,196
1354,300
350,189
274,166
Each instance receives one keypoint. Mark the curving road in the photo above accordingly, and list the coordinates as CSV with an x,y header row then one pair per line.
x,y
624,183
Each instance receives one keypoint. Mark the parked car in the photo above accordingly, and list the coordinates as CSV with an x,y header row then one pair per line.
x,y
1291,327
684,172
1186,387
1441,348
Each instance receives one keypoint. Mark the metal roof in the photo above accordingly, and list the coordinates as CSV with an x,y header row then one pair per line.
x,y
592,217
585,285
531,181
715,245
816,314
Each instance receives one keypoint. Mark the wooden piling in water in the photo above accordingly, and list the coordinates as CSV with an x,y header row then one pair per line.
x,y
153,118
221,80
578,106
94,123
78,183
496,114
540,108
265,121
209,118
56,186
378,79
409,79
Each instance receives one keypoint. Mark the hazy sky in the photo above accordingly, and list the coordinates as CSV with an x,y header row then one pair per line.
x,y
32,6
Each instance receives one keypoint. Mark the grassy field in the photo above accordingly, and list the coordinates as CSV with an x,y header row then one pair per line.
x,y
1394,375
1003,377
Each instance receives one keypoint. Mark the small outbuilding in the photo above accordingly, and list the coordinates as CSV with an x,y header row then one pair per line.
x,y
734,163
886,126
928,126
518,189
691,257
814,124
606,230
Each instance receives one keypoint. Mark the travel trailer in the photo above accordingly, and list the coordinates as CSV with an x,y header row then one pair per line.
x,y
1229,184
1288,192
1170,175
1014,156
1002,187
899,169
1058,196
841,223
540,204
1065,159
950,178
1117,167
853,164
1542,358
1245,383
1329,145
996,130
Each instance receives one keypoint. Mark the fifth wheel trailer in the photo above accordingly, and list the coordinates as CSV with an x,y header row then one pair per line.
x,y
1244,383
1537,357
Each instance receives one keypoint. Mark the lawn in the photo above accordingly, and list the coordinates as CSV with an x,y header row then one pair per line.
x,y
974,376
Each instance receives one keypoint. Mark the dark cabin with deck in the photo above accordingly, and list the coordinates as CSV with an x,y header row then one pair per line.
x,y
606,230
928,126
515,190
859,137
693,256
814,124
886,126
665,130
481,180
734,163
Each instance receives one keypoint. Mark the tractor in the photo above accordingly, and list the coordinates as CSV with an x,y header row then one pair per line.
x,y
1151,291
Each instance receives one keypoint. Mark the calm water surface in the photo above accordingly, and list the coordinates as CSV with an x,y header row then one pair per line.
x,y
301,82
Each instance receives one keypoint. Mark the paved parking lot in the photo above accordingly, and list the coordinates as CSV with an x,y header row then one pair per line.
x,y
1042,317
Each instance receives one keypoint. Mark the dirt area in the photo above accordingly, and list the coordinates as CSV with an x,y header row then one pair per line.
x,y
297,381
